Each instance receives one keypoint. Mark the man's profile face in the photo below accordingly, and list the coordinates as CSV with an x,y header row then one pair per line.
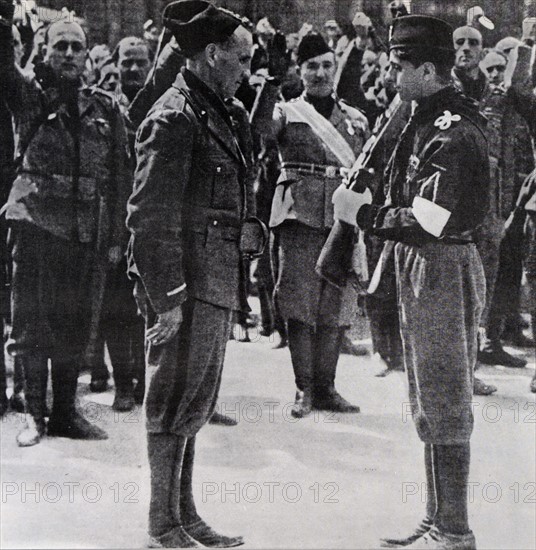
x,y
66,50
133,65
407,78
318,75
468,46
18,48
232,63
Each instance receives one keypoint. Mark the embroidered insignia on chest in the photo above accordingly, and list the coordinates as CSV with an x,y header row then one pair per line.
x,y
444,122
413,166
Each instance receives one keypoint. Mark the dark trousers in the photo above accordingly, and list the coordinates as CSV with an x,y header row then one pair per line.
x,y
50,293
50,313
123,331
315,353
506,296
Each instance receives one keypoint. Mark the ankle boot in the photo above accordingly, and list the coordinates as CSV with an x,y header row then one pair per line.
x,y
188,515
65,420
328,342
301,342
431,505
35,389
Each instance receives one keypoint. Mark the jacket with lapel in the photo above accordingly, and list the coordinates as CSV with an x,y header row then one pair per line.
x,y
188,204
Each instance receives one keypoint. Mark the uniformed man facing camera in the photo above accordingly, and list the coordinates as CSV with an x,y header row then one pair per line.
x,y
316,135
439,180
190,231
66,210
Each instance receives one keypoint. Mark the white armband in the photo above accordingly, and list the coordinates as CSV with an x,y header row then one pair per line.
x,y
431,217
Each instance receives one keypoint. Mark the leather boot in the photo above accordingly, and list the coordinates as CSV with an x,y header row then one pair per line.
x,y
494,354
431,505
327,346
166,453
35,368
17,400
301,342
65,420
187,512
95,363
267,311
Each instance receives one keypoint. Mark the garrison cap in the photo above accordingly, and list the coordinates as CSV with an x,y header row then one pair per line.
x,y
310,46
421,31
196,23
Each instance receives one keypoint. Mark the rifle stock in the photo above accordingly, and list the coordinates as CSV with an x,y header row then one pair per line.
x,y
335,260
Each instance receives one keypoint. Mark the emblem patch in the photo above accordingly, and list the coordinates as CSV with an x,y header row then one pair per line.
x,y
444,122
413,166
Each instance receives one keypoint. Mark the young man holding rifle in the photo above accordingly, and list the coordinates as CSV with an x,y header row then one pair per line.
x,y
439,178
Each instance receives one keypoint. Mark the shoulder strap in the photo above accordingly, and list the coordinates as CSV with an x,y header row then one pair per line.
x,y
301,111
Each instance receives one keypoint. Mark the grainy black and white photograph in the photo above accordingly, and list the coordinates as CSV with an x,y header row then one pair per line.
x,y
268,274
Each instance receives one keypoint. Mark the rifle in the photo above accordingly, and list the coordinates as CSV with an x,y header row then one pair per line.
x,y
335,260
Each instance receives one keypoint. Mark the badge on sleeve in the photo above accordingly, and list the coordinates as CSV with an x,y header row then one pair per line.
x,y
444,122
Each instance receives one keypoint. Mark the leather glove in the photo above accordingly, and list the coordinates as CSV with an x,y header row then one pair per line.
x,y
7,10
347,203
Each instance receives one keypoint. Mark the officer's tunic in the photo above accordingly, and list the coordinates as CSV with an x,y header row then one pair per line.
x,y
185,215
66,207
439,180
311,173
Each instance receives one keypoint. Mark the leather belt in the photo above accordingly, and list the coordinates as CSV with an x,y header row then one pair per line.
x,y
454,240
306,168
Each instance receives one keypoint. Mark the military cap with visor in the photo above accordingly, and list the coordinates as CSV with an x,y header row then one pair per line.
x,y
421,31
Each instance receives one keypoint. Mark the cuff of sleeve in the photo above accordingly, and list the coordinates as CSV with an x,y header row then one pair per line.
x,y
170,300
365,216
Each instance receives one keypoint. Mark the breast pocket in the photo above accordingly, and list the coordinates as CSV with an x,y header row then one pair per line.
x,y
225,188
95,148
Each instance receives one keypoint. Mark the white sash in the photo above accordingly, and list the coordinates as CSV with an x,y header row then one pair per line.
x,y
301,111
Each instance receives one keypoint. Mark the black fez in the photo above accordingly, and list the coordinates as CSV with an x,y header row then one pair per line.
x,y
310,46
196,23
421,31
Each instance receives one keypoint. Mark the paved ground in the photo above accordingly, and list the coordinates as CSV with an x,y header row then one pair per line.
x,y
321,482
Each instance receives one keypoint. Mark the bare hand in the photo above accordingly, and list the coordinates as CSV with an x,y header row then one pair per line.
x,y
115,254
166,326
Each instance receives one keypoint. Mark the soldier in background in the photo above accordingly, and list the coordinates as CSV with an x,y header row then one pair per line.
x,y
512,159
118,323
66,211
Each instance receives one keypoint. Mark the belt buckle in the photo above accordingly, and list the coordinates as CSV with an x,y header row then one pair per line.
x,y
331,171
